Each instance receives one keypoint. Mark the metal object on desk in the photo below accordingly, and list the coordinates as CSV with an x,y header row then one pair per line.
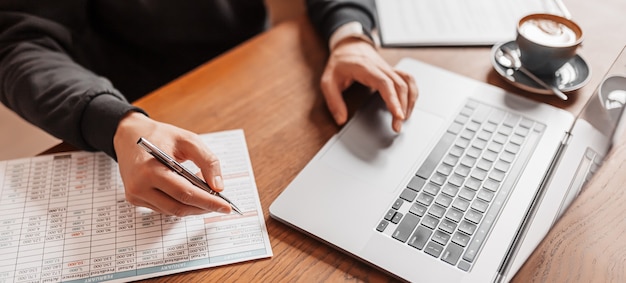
x,y
508,58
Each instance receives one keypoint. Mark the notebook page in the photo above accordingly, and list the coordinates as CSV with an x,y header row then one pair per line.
x,y
454,22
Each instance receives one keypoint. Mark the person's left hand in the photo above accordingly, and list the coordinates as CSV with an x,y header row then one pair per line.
x,y
354,60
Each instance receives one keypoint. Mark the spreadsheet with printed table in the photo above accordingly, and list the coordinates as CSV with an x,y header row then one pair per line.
x,y
64,218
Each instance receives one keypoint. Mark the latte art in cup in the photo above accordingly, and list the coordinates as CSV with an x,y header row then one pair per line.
x,y
546,42
548,32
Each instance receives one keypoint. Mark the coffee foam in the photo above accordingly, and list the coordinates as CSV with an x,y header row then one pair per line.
x,y
548,32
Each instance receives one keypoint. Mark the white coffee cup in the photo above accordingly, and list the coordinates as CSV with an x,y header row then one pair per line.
x,y
546,42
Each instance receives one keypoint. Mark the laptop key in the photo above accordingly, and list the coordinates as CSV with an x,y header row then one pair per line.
x,y
451,159
431,162
396,205
431,189
419,237
460,204
452,253
467,227
473,126
408,195
467,111
438,179
480,205
396,218
405,227
454,215
444,169
425,199
441,237
450,190
447,226
417,209
443,200
436,211
511,120
462,170
481,113
416,183
485,195
390,214
382,225
456,151
460,239
467,194
464,265
433,249
430,222
455,128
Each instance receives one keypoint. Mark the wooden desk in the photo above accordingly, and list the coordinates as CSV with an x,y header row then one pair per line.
x,y
269,87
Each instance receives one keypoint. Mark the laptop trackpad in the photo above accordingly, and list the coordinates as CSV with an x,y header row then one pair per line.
x,y
368,149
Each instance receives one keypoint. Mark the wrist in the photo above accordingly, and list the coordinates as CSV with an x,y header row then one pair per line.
x,y
351,31
127,128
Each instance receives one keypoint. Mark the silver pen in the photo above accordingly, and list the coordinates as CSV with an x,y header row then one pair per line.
x,y
168,161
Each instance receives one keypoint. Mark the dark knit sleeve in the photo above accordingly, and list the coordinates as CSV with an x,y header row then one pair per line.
x,y
41,83
328,15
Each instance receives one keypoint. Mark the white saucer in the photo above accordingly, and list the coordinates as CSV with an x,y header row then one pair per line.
x,y
572,76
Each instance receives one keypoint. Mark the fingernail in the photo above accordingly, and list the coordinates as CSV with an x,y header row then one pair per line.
x,y
223,210
397,126
400,113
219,183
338,118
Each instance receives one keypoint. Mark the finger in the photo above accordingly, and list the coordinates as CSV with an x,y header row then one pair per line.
x,y
413,92
179,190
163,203
402,90
182,191
194,149
378,80
402,95
331,89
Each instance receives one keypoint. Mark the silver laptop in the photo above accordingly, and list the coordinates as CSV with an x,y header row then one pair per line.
x,y
467,190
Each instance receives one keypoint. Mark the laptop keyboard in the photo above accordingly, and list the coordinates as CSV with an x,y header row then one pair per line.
x,y
449,207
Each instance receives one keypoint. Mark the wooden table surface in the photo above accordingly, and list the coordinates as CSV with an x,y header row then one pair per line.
x,y
269,87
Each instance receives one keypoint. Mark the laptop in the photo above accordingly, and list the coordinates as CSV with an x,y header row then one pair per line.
x,y
469,187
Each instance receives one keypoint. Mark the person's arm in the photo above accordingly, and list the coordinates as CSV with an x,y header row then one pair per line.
x,y
40,81
42,84
354,58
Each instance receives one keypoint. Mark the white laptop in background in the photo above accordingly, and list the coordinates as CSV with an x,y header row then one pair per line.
x,y
467,190
455,22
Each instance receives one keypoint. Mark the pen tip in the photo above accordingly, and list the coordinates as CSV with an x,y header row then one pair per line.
x,y
237,210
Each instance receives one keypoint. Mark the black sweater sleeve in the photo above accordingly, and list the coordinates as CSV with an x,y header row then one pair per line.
x,y
328,15
41,83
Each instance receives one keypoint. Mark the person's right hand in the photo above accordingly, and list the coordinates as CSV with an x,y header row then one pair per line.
x,y
149,183
354,60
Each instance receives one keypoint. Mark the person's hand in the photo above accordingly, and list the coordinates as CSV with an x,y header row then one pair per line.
x,y
149,183
356,60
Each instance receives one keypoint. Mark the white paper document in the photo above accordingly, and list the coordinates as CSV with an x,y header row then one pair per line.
x,y
64,218
454,22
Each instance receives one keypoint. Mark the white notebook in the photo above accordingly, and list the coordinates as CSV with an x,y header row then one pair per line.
x,y
455,22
